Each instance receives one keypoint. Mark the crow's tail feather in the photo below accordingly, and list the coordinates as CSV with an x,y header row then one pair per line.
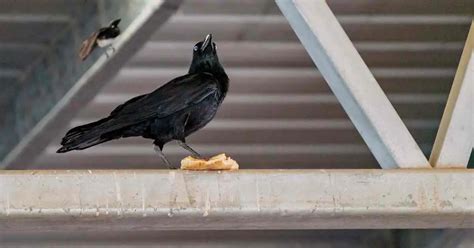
x,y
85,136
82,145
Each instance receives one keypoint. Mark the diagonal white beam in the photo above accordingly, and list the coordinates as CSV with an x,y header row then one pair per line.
x,y
455,138
353,84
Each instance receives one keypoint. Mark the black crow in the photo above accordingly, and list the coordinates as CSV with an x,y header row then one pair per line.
x,y
171,112
104,37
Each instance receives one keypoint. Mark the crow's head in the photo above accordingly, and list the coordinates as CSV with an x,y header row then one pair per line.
x,y
205,56
205,47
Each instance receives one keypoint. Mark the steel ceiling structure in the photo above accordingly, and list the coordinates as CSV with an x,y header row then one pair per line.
x,y
280,112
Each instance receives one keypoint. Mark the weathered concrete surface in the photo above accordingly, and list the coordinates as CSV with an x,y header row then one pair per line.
x,y
246,199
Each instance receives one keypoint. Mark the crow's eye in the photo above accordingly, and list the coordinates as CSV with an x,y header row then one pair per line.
x,y
195,48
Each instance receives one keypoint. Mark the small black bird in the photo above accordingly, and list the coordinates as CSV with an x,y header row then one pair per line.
x,y
171,112
104,37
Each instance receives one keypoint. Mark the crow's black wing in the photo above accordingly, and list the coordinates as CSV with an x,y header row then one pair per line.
x,y
176,95
129,102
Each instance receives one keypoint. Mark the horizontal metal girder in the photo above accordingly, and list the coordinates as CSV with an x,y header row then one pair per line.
x,y
246,199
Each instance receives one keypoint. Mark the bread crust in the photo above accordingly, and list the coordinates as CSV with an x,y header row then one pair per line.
x,y
218,162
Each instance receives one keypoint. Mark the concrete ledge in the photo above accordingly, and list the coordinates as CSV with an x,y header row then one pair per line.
x,y
246,199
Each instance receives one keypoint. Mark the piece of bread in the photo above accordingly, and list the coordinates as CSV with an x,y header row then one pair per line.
x,y
218,162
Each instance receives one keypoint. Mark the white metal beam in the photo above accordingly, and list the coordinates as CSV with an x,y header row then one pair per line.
x,y
353,84
256,199
455,138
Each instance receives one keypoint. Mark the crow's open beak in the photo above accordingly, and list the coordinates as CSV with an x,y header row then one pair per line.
x,y
207,42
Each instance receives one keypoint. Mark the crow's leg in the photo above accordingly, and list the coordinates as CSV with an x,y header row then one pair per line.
x,y
158,149
182,141
183,144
